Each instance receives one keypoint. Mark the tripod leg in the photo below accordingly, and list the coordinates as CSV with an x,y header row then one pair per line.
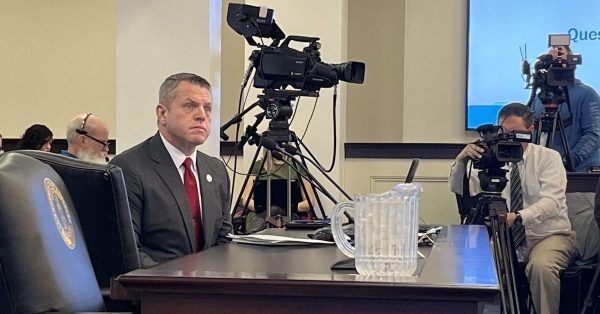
x,y
538,135
550,142
498,258
505,259
297,142
511,264
240,222
569,161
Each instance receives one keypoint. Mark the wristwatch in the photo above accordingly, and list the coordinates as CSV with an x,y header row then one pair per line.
x,y
518,217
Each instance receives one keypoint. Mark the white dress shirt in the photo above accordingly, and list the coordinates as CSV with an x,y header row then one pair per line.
x,y
178,158
544,181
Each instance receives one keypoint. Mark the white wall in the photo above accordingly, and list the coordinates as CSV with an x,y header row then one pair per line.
x,y
434,93
435,72
437,204
57,60
157,38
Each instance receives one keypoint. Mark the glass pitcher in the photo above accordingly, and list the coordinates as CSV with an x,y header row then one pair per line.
x,y
385,231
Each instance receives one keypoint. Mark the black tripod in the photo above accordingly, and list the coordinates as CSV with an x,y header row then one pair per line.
x,y
551,121
277,107
513,285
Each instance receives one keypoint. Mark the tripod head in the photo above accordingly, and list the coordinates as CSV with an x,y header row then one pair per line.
x,y
492,180
279,110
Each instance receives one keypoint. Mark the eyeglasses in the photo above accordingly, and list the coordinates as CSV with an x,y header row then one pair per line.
x,y
81,131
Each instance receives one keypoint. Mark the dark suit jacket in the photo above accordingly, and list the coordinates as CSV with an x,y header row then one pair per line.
x,y
159,207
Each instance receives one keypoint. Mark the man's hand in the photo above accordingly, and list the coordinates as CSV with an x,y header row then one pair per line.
x,y
470,151
510,219
559,52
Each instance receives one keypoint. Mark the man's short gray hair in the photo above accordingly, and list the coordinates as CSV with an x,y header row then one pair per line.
x,y
76,123
165,92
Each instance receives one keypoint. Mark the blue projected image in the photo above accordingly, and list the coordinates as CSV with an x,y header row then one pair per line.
x,y
497,28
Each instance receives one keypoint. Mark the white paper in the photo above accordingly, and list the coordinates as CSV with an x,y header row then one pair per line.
x,y
265,239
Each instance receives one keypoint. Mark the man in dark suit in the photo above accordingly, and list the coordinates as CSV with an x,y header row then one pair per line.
x,y
179,197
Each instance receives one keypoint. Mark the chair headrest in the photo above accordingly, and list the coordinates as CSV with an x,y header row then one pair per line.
x,y
43,255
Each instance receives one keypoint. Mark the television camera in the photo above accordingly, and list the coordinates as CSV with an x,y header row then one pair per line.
x,y
278,66
553,73
499,148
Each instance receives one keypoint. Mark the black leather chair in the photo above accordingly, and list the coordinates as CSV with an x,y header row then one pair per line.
x,y
100,198
44,262
576,279
591,303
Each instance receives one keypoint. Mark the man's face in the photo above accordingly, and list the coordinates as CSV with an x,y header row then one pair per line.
x,y
92,147
559,51
515,123
185,121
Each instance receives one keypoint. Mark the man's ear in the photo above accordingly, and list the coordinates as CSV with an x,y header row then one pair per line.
x,y
81,139
161,112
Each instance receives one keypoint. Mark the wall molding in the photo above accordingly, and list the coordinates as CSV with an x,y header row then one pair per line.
x,y
382,150
229,149
402,150
58,144
582,182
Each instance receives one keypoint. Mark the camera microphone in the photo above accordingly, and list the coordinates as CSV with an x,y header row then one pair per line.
x,y
253,56
269,144
291,149
526,70
247,73
525,67
277,155
276,151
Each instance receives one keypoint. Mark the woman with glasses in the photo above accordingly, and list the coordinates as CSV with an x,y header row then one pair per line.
x,y
38,137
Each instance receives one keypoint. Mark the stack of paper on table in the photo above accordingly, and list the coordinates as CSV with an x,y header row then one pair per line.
x,y
264,239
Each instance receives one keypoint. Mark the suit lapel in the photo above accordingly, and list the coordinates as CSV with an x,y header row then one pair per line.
x,y
169,174
208,191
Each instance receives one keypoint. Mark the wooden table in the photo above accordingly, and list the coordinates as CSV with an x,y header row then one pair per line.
x,y
457,276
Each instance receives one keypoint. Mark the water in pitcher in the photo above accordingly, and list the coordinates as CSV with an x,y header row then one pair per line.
x,y
385,233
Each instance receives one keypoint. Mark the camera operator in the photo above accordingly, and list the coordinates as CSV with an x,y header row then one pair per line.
x,y
581,120
550,243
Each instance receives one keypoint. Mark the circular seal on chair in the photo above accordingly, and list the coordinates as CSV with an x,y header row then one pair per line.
x,y
60,212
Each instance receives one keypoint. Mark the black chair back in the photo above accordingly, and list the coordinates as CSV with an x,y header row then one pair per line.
x,y
100,197
577,278
44,262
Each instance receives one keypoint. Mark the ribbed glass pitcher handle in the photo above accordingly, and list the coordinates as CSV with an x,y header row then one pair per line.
x,y
336,227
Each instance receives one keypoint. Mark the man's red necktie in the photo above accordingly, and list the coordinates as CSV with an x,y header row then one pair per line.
x,y
191,189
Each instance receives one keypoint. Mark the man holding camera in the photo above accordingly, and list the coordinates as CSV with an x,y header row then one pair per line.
x,y
581,119
550,244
